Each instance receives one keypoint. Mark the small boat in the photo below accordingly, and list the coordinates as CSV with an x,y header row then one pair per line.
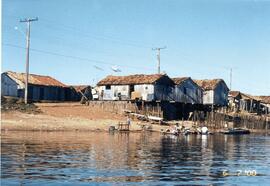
x,y
236,131
170,132
186,132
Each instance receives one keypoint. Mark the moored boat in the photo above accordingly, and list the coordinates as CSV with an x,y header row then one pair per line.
x,y
236,131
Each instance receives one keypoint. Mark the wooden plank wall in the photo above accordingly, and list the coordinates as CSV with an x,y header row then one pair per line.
x,y
218,121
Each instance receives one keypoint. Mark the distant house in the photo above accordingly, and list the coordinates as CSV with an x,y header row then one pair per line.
x,y
139,86
249,103
215,91
187,91
239,101
39,87
83,91
234,98
265,104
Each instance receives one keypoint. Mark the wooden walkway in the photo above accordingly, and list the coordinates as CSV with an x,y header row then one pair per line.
x,y
123,126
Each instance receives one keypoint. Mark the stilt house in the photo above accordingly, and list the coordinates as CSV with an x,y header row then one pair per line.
x,y
215,91
139,86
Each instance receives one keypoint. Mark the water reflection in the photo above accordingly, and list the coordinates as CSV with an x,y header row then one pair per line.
x,y
149,158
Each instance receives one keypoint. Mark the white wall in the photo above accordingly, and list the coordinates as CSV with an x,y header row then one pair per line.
x,y
8,86
146,90
208,97
112,94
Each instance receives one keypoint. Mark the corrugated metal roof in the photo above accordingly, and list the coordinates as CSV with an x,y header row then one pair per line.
x,y
209,84
179,80
131,79
35,79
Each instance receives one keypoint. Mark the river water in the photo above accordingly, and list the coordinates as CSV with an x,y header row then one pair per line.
x,y
81,158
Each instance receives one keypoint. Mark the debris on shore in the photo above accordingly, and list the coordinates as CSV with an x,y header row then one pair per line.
x,y
16,104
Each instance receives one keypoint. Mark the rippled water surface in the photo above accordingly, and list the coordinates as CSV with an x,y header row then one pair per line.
x,y
65,158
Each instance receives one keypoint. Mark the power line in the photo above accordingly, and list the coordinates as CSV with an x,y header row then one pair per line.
x,y
98,36
68,43
104,38
74,57
92,36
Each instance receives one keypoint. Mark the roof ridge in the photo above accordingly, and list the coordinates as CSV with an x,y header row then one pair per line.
x,y
30,74
36,79
132,79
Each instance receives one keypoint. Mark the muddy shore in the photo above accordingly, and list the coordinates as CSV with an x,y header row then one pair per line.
x,y
70,117
65,117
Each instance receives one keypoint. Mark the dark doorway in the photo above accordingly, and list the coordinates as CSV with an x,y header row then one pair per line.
x,y
59,96
30,92
68,94
131,89
41,93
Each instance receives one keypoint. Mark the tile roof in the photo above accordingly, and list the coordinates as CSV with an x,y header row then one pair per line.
x,y
234,93
265,99
249,97
180,80
35,79
131,79
209,84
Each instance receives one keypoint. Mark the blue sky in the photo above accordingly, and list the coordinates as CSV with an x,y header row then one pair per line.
x,y
77,41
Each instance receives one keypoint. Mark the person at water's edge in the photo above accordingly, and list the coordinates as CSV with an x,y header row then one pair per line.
x,y
128,120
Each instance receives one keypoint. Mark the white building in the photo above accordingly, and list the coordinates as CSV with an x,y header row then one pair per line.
x,y
139,86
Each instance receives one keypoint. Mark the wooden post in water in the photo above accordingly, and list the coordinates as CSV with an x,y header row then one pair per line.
x,y
266,127
158,109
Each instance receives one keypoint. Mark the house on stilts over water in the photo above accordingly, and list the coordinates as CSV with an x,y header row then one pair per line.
x,y
215,92
154,87
187,91
242,102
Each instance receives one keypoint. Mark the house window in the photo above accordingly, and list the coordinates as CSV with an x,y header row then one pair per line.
x,y
108,87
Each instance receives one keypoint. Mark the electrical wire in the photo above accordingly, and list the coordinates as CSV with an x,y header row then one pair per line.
x,y
74,57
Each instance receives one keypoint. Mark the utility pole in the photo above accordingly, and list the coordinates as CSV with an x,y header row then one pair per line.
x,y
230,78
158,57
28,21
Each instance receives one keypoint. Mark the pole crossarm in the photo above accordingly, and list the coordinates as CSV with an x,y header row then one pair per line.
x,y
28,20
158,56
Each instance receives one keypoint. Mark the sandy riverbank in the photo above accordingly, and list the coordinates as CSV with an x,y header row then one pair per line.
x,y
65,117
69,117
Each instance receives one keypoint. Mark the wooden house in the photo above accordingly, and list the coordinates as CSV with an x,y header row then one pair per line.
x,y
234,98
241,102
39,87
83,92
187,91
265,104
139,86
249,103
215,91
